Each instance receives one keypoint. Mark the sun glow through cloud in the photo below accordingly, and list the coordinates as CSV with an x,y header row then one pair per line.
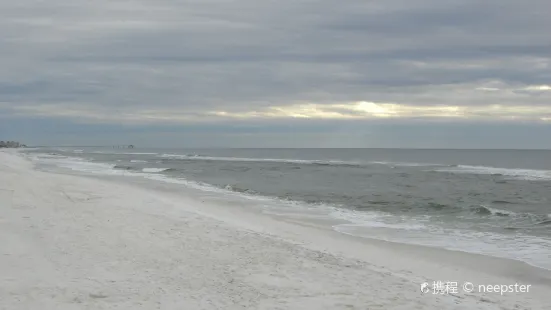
x,y
366,110
244,63
337,111
539,87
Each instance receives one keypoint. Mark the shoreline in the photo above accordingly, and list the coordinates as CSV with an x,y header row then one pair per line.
x,y
336,271
307,217
218,209
327,225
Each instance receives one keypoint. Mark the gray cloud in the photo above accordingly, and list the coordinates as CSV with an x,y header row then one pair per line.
x,y
144,61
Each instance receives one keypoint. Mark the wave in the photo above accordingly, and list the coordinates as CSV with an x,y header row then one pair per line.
x,y
122,167
484,210
524,174
155,170
79,164
239,189
529,219
502,202
517,221
122,153
138,161
480,210
406,164
319,162
181,156
50,155
524,248
250,159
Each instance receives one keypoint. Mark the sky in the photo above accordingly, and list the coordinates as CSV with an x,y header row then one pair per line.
x,y
285,73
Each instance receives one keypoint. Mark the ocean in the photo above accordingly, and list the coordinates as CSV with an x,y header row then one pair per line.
x,y
490,202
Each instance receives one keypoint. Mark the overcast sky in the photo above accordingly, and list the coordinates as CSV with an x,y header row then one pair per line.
x,y
285,73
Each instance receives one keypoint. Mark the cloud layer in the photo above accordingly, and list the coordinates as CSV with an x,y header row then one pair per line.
x,y
144,62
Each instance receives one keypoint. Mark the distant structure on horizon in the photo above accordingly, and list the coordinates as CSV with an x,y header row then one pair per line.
x,y
11,144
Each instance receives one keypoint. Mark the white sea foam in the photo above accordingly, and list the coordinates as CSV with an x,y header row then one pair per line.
x,y
84,166
78,164
41,156
375,220
247,159
122,153
525,174
154,170
404,164
299,161
530,249
495,211
138,161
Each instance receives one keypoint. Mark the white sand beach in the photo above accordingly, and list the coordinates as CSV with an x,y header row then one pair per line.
x,y
76,242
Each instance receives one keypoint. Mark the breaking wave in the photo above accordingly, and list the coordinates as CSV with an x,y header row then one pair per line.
x,y
249,159
523,174
155,170
122,167
404,164
483,210
328,162
239,189
122,153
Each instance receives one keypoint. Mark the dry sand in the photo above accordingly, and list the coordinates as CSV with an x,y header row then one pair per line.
x,y
75,242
